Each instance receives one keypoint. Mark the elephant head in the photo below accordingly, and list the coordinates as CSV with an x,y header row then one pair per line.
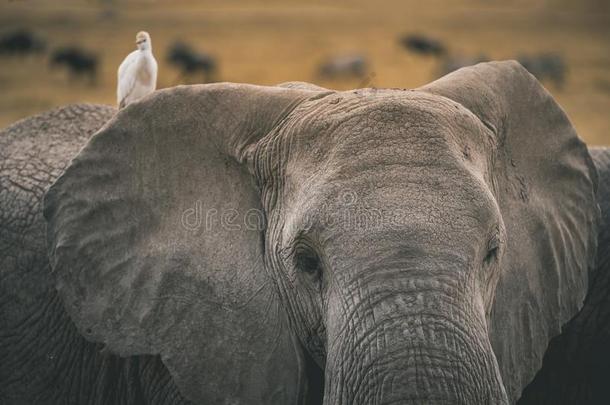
x,y
411,246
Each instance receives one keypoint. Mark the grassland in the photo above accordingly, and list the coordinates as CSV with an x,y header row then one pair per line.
x,y
275,41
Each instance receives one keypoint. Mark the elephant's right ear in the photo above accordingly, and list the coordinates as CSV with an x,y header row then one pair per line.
x,y
155,236
545,184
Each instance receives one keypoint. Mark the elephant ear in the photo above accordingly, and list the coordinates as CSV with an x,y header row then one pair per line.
x,y
545,185
155,234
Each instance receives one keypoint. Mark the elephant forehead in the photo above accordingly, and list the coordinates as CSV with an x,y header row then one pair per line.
x,y
448,202
354,133
401,142
399,158
397,203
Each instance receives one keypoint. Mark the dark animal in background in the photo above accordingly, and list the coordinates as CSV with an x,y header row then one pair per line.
x,y
191,62
78,61
21,42
450,63
109,9
422,45
546,66
343,67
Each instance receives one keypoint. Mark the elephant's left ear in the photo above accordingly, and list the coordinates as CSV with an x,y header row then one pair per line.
x,y
155,235
545,185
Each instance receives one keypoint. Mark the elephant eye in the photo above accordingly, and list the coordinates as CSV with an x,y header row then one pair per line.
x,y
308,263
302,255
491,255
493,248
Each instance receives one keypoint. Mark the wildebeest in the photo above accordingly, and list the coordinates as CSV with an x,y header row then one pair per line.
x,y
423,45
191,62
78,61
343,66
21,42
545,66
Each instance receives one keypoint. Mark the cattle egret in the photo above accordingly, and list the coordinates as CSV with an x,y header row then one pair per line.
x,y
137,76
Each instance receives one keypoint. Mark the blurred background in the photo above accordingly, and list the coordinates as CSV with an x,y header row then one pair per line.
x,y
66,51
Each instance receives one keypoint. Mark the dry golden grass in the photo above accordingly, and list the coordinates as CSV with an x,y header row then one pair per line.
x,y
275,41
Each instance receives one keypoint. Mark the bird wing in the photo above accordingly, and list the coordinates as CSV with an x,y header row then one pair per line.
x,y
154,69
126,80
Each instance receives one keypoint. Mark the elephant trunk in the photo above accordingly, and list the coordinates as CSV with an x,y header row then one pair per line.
x,y
416,346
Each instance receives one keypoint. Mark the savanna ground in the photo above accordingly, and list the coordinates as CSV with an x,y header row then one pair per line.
x,y
268,42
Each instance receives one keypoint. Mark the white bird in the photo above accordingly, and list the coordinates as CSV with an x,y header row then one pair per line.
x,y
137,75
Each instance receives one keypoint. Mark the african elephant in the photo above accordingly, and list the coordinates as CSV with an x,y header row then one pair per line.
x,y
295,244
